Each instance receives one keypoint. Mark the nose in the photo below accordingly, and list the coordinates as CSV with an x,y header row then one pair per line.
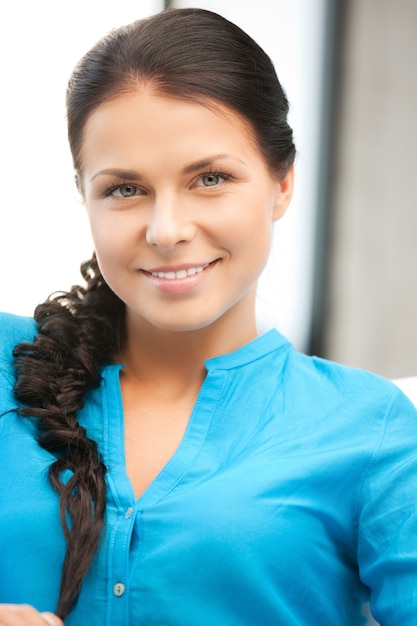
x,y
168,225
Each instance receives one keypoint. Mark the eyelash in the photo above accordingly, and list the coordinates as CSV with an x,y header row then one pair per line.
x,y
222,175
110,190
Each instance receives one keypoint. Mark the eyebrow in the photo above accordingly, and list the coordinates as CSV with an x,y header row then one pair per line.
x,y
120,173
198,165
193,167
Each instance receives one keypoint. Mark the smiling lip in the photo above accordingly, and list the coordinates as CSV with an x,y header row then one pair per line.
x,y
179,279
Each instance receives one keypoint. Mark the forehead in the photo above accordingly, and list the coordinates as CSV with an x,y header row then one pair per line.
x,y
146,119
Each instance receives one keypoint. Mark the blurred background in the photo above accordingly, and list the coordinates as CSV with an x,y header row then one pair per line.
x,y
342,278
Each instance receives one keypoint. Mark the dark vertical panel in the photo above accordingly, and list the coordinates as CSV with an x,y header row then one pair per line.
x,y
333,49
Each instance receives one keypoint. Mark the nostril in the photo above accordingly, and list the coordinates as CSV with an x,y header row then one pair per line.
x,y
168,234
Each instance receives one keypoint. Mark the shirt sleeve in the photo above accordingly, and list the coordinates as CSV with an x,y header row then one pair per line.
x,y
386,518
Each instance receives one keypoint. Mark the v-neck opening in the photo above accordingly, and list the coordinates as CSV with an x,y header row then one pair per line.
x,y
187,450
175,470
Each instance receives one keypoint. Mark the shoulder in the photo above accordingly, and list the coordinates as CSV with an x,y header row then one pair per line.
x,y
347,393
409,387
16,327
13,330
340,379
312,383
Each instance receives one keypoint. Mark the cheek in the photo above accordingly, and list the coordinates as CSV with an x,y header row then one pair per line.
x,y
111,236
252,230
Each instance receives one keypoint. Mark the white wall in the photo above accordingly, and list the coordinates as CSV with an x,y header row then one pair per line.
x,y
44,232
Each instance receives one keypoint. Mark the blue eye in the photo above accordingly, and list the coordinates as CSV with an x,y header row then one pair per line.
x,y
126,191
210,180
123,190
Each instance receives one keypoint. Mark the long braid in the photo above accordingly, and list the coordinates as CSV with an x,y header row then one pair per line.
x,y
77,333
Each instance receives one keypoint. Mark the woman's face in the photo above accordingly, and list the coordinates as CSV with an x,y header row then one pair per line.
x,y
181,205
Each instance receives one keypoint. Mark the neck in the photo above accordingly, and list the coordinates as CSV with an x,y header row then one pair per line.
x,y
177,358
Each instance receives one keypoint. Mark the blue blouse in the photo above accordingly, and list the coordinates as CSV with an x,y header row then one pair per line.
x,y
291,500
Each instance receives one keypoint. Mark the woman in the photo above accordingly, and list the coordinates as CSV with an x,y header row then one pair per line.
x,y
205,474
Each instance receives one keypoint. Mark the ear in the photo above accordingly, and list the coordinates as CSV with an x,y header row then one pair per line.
x,y
78,188
284,193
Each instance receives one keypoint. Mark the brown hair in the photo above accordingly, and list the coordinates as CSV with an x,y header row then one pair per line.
x,y
191,54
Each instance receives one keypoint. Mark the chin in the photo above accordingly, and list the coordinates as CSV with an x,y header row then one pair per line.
x,y
183,325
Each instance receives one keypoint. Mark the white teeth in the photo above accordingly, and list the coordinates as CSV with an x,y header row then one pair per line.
x,y
181,273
